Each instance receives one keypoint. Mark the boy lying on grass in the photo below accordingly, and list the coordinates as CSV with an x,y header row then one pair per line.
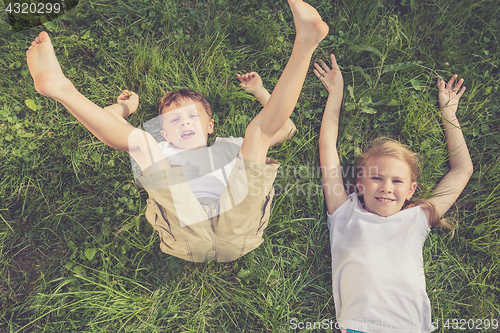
x,y
206,220
376,234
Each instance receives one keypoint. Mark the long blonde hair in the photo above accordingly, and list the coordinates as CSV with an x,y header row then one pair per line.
x,y
384,146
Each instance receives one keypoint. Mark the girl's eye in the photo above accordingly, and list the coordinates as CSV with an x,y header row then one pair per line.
x,y
397,181
174,119
195,115
376,178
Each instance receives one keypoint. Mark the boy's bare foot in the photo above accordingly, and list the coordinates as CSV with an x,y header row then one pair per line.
x,y
310,27
45,69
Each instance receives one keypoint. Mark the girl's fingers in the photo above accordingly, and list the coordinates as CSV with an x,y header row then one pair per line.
x,y
318,67
458,85
334,62
319,76
325,66
440,84
450,83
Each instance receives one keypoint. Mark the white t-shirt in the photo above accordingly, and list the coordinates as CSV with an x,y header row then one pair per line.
x,y
206,169
377,267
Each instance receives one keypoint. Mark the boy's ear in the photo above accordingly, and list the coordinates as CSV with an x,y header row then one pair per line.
x,y
413,188
164,134
211,126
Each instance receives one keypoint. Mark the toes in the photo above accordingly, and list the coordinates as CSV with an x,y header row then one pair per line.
x,y
43,36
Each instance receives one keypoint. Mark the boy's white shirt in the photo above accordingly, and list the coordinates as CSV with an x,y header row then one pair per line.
x,y
377,266
210,185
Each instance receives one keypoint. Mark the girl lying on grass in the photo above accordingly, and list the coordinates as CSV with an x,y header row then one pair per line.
x,y
376,244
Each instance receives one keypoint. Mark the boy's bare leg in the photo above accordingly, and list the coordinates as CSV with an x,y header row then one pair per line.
x,y
310,31
50,81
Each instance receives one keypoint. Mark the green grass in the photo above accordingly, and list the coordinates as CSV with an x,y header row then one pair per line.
x,y
76,252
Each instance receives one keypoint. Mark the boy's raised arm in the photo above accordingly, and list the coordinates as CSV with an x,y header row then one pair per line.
x,y
333,185
461,168
252,83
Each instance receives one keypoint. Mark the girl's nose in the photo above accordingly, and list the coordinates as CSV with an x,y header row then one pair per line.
x,y
386,187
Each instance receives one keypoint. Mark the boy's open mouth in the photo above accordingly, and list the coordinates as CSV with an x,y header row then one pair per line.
x,y
187,135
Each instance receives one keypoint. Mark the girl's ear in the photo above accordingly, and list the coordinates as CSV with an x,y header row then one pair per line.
x,y
413,188
359,185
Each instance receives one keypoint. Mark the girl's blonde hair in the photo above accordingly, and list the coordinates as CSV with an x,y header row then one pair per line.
x,y
384,146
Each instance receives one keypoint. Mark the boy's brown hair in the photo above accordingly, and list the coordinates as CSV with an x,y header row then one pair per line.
x,y
176,95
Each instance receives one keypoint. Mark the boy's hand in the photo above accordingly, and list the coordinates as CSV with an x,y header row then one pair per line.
x,y
449,95
131,99
251,82
331,78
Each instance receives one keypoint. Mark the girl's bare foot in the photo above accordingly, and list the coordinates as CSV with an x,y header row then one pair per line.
x,y
45,69
310,27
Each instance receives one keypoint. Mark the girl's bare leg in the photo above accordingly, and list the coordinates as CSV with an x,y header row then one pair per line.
x,y
310,31
50,81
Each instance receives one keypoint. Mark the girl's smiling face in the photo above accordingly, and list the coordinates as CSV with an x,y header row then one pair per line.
x,y
186,125
385,184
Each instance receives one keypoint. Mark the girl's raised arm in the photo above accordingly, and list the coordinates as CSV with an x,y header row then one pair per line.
x,y
333,185
461,168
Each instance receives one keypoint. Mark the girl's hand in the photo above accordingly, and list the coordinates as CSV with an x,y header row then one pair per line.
x,y
449,95
331,78
131,99
251,82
